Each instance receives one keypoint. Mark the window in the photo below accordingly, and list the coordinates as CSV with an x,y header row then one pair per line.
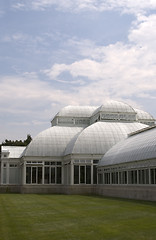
x,y
82,174
153,176
46,175
124,177
47,163
39,180
88,174
13,165
142,177
95,161
76,174
106,178
59,174
132,177
28,175
52,175
94,174
100,178
34,171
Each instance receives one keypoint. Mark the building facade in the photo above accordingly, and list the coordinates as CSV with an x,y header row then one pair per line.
x,y
69,157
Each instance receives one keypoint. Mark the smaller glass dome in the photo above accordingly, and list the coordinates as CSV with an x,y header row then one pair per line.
x,y
114,107
142,115
76,111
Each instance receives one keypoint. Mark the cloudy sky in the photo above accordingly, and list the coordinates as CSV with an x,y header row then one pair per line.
x,y
55,53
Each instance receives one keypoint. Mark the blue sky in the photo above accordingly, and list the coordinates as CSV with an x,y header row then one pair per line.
x,y
55,53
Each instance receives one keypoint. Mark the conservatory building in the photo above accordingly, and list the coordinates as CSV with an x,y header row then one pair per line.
x,y
69,157
131,161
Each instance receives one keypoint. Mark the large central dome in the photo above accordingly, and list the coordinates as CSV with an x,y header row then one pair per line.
x,y
87,130
100,137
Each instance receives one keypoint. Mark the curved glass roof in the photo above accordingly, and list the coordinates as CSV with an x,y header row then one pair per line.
x,y
142,115
51,142
76,111
100,137
114,107
140,146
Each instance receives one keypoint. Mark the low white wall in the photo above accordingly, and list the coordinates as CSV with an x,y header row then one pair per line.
x,y
141,192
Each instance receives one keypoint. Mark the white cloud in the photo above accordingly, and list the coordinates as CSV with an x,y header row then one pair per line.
x,y
117,70
86,68
17,37
145,32
27,94
132,6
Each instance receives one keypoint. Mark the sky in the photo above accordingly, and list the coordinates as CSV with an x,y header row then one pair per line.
x,y
55,53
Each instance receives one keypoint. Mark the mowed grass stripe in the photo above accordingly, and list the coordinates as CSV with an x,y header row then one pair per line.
x,y
74,217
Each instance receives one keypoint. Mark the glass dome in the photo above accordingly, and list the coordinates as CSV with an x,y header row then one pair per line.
x,y
141,146
142,115
100,137
76,111
51,142
114,107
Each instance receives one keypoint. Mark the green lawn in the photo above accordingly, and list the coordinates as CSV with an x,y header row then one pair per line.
x,y
53,217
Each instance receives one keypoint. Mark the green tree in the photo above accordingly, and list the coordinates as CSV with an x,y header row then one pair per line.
x,y
17,142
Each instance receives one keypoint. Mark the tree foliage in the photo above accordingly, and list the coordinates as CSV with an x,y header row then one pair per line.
x,y
17,142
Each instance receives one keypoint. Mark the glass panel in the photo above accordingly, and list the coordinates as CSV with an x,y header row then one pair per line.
x,y
34,174
88,174
53,175
108,178
82,174
139,176
124,177
46,175
116,177
59,173
147,176
105,178
39,175
58,163
76,174
47,163
113,178
120,178
28,175
94,174
152,176
100,178
135,176
95,161
143,176
130,173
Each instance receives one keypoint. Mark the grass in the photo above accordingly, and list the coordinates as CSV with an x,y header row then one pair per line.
x,y
70,217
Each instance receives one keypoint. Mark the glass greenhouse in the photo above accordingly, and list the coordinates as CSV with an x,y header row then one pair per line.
x,y
86,146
